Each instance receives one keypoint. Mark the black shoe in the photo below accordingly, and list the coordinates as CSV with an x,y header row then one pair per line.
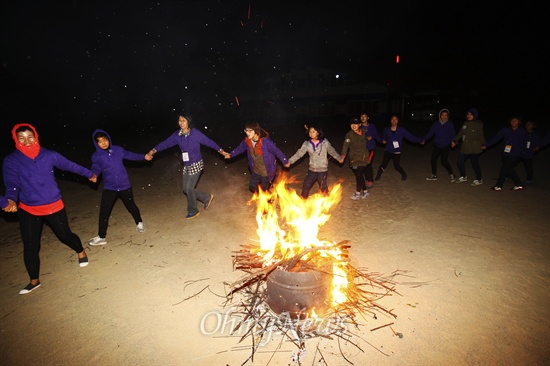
x,y
29,288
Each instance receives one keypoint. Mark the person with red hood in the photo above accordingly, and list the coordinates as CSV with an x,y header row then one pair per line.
x,y
29,178
262,155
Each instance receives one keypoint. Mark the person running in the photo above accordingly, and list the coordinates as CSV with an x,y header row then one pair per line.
x,y
356,142
318,148
393,137
189,139
262,155
514,139
472,137
108,161
29,177
444,132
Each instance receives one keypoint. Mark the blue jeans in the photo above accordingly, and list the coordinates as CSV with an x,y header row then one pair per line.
x,y
256,181
189,184
311,178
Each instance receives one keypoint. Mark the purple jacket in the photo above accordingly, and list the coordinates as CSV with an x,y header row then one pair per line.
x,y
32,181
270,153
3,202
394,140
190,143
444,133
515,141
110,164
371,131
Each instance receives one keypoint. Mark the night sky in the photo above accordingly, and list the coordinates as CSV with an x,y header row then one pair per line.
x,y
131,64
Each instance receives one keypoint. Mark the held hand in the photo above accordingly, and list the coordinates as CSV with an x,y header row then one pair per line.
x,y
287,165
483,147
93,179
341,161
384,142
453,144
148,157
11,207
226,155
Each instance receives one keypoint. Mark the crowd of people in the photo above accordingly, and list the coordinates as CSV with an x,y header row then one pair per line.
x,y
32,191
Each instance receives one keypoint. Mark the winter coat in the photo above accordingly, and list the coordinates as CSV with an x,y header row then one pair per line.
x,y
514,141
472,137
318,155
190,144
394,139
269,151
357,144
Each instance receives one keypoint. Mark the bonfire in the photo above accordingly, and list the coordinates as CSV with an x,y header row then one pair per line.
x,y
296,284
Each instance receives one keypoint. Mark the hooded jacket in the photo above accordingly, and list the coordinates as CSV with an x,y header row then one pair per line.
x,y
444,132
358,154
3,202
514,141
471,134
110,164
32,181
268,150
190,143
394,139
318,155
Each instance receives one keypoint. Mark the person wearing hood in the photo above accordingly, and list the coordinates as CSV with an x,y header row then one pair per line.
x,y
472,137
444,132
190,139
355,149
29,177
262,155
108,161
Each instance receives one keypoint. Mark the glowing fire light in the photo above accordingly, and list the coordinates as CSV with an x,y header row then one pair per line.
x,y
288,225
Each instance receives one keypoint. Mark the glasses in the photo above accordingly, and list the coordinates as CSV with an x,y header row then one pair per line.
x,y
248,130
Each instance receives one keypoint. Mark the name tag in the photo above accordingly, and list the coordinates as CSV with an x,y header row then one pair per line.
x,y
185,156
396,144
507,148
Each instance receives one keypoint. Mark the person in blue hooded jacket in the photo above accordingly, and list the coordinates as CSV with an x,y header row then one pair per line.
x,y
29,177
514,140
262,155
108,161
444,132
393,137
190,139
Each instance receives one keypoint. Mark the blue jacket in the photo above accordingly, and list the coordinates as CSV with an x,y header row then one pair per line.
x,y
110,163
190,143
444,133
394,139
32,181
270,153
533,140
515,141
371,131
3,202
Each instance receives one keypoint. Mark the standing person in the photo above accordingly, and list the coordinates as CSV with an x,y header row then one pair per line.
x,y
318,148
189,139
472,137
515,142
444,132
392,137
108,160
262,155
29,177
533,141
372,139
356,141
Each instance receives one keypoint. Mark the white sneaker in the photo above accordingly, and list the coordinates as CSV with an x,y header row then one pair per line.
x,y
98,241
461,179
477,182
356,196
364,195
140,227
453,179
432,177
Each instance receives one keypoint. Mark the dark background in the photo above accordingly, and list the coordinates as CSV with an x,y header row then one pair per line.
x,y
69,67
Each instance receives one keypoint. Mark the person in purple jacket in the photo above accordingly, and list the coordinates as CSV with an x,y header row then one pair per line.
x,y
515,142
534,139
189,139
444,132
393,137
108,161
262,155
372,139
29,177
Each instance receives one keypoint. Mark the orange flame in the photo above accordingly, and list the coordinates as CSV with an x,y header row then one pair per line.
x,y
289,224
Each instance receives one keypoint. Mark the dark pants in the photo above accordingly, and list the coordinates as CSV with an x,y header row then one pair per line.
x,y
313,177
31,231
474,158
360,177
256,181
529,169
388,156
108,199
369,174
442,152
508,170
